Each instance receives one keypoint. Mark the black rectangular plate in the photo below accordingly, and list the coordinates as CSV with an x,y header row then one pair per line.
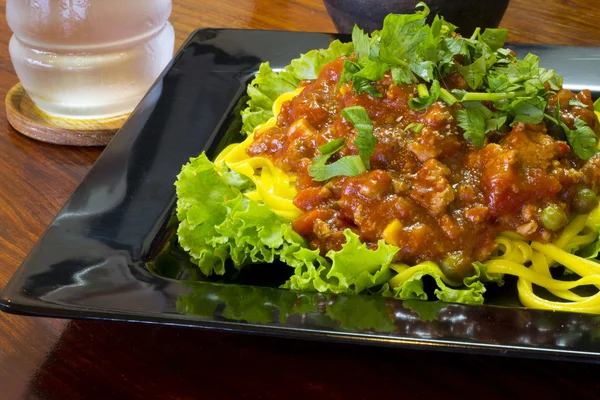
x,y
91,261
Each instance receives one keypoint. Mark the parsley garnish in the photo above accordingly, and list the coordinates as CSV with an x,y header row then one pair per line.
x,y
426,96
329,149
361,43
577,103
494,38
474,73
503,89
349,165
582,139
477,120
345,166
529,110
365,141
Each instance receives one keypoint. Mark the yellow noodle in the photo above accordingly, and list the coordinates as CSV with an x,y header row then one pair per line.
x,y
274,187
583,239
512,235
539,263
520,253
514,250
529,299
579,265
571,231
512,268
594,218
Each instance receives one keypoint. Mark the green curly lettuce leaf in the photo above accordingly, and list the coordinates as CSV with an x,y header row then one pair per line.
x,y
217,223
471,292
353,269
268,85
357,268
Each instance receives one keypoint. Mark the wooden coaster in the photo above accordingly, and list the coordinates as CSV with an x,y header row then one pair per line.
x,y
28,119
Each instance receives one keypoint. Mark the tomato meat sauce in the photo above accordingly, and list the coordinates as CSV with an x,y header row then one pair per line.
x,y
429,191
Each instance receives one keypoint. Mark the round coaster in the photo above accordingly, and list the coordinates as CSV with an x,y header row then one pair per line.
x,y
28,119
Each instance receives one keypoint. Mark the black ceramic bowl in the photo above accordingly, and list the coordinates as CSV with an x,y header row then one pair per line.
x,y
369,14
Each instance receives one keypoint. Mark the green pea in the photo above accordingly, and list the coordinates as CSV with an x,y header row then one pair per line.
x,y
456,267
585,201
553,218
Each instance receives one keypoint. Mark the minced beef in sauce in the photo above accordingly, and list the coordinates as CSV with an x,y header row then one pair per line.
x,y
439,197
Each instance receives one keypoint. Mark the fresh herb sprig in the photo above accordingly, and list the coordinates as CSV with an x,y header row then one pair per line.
x,y
345,166
503,90
352,165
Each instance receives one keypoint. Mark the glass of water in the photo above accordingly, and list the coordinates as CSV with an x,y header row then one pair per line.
x,y
89,59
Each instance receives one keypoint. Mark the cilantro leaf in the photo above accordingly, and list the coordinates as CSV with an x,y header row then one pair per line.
x,y
582,139
456,46
401,74
487,113
424,69
429,47
474,73
364,85
549,75
495,123
477,120
373,71
529,110
327,150
362,80
494,38
375,45
348,71
361,43
401,36
331,147
426,97
345,166
365,140
577,103
473,122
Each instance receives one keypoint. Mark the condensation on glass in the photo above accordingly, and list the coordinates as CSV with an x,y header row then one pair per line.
x,y
89,58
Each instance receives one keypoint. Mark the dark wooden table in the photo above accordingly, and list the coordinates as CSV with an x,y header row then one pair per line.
x,y
59,359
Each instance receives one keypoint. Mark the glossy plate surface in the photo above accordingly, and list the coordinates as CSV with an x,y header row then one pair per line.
x,y
92,260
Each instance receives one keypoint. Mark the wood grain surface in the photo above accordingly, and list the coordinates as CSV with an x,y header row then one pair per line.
x,y
28,119
51,359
